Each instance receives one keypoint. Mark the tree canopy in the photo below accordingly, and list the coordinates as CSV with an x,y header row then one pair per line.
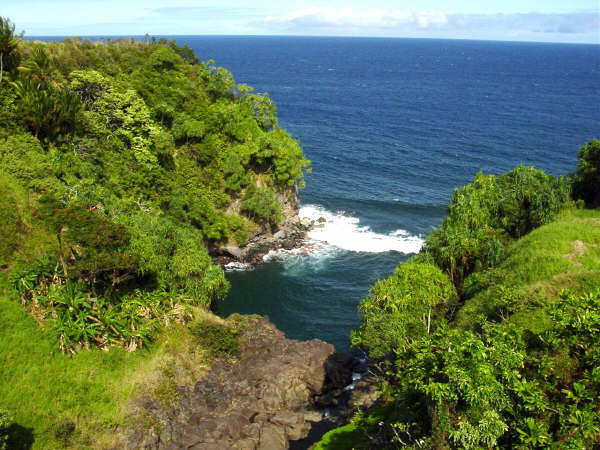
x,y
130,162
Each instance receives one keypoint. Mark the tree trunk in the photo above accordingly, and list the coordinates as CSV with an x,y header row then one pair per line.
x,y
438,432
429,321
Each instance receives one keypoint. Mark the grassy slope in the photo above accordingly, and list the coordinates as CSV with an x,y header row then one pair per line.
x,y
538,267
41,388
564,254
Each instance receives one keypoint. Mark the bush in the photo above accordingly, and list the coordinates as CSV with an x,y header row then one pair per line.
x,y
217,339
404,307
13,203
260,205
529,199
5,422
586,183
484,214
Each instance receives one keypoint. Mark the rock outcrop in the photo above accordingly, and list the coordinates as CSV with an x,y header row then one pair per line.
x,y
260,401
288,234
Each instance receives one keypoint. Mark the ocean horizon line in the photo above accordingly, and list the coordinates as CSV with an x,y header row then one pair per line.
x,y
408,38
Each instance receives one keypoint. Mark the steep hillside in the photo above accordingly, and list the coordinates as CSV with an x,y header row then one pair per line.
x,y
126,168
131,164
490,336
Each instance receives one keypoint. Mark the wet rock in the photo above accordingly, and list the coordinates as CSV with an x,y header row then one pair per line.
x,y
313,416
366,393
339,370
306,223
288,418
232,250
297,431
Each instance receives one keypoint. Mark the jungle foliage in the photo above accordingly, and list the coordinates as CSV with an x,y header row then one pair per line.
x,y
586,184
489,337
119,163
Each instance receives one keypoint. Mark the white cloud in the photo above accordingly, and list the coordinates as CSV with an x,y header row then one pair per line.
x,y
580,26
348,17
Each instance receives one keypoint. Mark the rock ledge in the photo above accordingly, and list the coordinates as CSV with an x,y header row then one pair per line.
x,y
261,401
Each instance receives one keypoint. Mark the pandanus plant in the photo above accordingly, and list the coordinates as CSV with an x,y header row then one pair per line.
x,y
49,109
8,44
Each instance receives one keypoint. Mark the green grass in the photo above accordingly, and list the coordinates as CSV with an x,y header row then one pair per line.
x,y
43,389
361,433
564,254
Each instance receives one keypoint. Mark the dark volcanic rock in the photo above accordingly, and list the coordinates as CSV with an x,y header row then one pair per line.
x,y
288,234
261,401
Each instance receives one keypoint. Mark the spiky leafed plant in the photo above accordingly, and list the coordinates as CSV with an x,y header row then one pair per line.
x,y
8,44
49,109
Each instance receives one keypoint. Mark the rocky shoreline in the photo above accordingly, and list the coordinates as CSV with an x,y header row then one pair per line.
x,y
272,394
278,393
289,234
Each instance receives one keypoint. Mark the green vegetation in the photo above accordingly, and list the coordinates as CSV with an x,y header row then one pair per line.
x,y
123,164
42,389
403,307
124,160
217,338
490,336
587,178
8,44
484,215
5,423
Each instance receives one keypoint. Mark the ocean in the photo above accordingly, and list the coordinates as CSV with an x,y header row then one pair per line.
x,y
392,126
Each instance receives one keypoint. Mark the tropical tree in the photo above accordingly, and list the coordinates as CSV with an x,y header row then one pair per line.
x,y
8,43
587,177
406,306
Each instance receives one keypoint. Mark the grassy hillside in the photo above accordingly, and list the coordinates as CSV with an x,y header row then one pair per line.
x,y
84,400
564,254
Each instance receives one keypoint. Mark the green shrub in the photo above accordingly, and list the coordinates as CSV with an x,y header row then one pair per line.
x,y
586,183
529,199
13,204
486,213
23,157
260,205
217,339
404,307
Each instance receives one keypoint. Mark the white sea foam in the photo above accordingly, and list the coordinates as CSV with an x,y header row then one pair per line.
x,y
345,232
236,266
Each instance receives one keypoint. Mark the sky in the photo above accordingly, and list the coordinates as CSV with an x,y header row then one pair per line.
x,y
576,21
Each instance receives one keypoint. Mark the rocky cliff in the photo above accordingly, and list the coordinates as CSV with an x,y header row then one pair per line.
x,y
288,234
262,400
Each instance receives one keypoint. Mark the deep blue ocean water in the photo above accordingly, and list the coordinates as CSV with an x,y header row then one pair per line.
x,y
392,126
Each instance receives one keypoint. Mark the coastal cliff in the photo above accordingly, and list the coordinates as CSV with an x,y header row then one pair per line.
x,y
126,168
261,399
289,233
